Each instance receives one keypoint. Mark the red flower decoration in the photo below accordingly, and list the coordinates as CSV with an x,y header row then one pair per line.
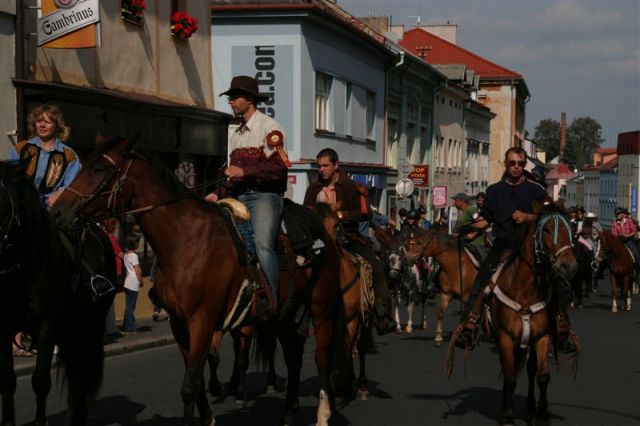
x,y
183,25
135,7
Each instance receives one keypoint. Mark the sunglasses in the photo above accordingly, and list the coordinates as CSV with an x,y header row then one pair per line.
x,y
512,163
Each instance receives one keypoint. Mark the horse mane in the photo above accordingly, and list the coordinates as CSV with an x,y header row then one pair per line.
x,y
443,238
524,232
324,211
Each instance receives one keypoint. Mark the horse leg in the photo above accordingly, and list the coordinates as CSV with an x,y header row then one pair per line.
x,y
215,387
542,349
41,382
444,304
409,327
242,344
626,292
194,344
509,371
271,374
364,344
292,349
423,315
324,336
396,312
614,291
7,381
532,369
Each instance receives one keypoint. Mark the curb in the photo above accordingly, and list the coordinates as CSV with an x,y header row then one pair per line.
x,y
110,350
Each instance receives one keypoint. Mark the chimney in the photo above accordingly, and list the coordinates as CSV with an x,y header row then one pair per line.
x,y
563,134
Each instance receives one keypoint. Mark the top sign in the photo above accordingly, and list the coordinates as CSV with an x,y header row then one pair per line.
x,y
404,187
67,19
420,175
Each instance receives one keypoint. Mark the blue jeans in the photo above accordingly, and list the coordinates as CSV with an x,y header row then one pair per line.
x,y
129,323
266,209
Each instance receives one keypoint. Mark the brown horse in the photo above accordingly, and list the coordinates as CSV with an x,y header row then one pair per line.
x,y
521,323
457,271
358,304
189,236
621,267
354,316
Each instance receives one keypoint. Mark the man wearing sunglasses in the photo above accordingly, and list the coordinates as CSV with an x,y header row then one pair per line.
x,y
508,207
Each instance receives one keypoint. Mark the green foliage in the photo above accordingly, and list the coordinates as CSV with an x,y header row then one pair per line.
x,y
584,135
547,136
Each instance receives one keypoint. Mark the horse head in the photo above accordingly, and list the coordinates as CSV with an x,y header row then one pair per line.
x,y
395,258
100,188
429,244
553,239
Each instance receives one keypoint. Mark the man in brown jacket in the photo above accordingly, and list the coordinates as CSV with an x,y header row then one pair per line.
x,y
337,189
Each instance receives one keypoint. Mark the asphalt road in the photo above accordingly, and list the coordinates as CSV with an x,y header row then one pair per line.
x,y
407,382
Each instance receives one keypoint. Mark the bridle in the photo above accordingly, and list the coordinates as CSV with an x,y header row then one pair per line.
x,y
14,220
121,174
541,254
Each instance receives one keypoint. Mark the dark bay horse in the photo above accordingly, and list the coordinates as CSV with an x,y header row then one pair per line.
x,y
621,267
457,270
521,322
45,294
200,271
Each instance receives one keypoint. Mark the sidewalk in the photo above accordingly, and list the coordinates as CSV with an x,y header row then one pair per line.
x,y
149,333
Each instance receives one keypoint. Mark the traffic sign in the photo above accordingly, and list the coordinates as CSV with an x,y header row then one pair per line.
x,y
404,187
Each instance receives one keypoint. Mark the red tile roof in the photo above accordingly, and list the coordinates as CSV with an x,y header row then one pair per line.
x,y
560,172
440,51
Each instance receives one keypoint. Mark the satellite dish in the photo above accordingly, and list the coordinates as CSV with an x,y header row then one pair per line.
x,y
404,187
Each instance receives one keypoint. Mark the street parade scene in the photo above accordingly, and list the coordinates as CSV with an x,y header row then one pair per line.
x,y
320,212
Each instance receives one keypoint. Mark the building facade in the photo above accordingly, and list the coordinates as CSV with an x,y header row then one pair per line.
x,y
140,78
629,171
8,107
326,72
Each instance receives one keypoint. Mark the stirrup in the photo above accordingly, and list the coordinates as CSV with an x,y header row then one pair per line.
x,y
101,286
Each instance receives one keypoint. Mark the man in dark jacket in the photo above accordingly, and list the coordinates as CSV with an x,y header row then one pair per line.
x,y
337,189
508,207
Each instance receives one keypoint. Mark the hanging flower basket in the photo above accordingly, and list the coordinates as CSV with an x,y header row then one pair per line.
x,y
133,10
183,25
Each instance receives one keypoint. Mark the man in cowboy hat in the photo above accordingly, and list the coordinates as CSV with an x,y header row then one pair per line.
x,y
256,172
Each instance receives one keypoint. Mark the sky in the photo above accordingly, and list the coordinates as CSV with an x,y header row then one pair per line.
x,y
577,56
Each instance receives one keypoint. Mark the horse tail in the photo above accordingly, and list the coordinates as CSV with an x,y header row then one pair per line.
x,y
342,375
264,348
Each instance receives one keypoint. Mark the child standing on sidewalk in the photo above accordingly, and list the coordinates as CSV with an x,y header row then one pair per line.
x,y
132,282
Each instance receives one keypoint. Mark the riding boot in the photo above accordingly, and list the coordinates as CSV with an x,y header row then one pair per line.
x,y
567,338
383,321
469,328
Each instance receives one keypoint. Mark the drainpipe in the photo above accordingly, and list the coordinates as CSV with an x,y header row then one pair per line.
x,y
432,169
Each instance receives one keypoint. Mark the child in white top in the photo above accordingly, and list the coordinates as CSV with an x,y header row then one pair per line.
x,y
132,282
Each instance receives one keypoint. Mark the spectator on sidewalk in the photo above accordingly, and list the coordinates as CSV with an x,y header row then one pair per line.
x,y
132,283
109,227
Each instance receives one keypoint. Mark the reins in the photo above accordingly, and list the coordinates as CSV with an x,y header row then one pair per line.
x,y
118,186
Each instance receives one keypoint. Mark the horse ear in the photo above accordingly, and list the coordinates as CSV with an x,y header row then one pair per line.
x,y
131,141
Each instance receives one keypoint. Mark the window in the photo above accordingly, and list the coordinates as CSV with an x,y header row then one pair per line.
x,y
323,108
371,115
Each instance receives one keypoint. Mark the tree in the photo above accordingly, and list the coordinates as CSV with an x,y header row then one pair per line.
x,y
584,136
547,136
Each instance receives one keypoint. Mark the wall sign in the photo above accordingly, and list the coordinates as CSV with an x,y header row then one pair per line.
x,y
65,18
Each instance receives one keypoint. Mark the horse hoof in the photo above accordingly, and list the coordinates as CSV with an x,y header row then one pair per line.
x,y
614,310
398,330
409,329
338,403
363,395
241,403
271,389
423,326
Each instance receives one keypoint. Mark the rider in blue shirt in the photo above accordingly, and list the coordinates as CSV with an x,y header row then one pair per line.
x,y
50,163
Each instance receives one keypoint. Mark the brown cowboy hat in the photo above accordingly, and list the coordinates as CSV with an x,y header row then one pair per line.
x,y
245,85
